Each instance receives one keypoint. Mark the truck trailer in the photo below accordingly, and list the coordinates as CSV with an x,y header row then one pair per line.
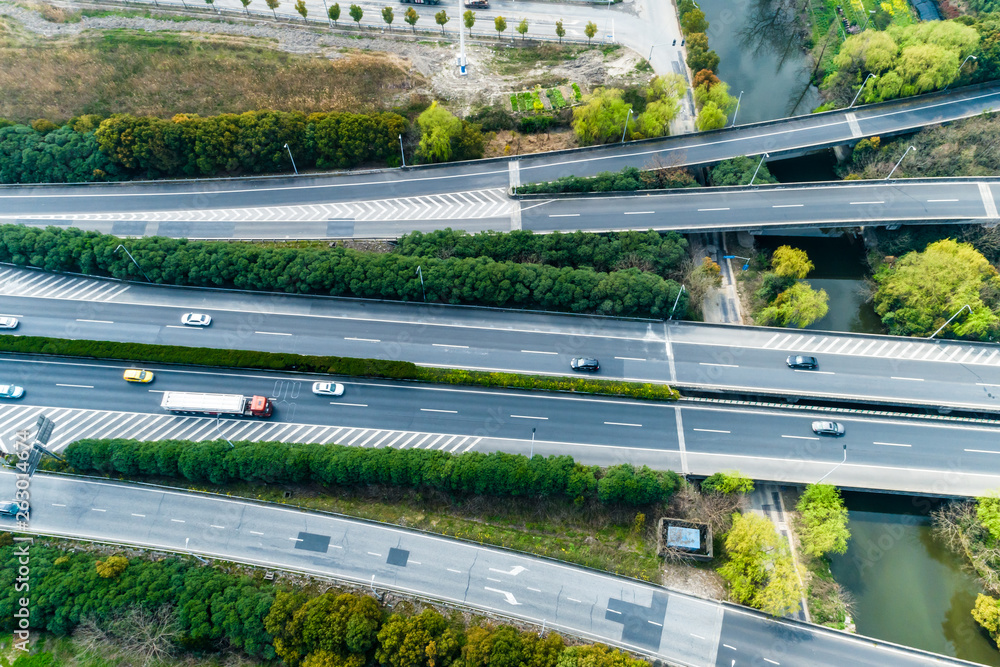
x,y
229,405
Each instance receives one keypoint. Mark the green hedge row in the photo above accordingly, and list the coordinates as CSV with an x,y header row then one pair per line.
x,y
329,365
344,272
472,473
627,180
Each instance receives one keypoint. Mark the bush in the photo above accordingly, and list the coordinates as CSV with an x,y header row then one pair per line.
x,y
493,119
555,98
626,180
577,93
534,124
58,156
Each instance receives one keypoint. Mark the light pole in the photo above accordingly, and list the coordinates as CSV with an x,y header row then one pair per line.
x,y
532,445
653,47
738,100
327,10
870,76
421,274
836,466
676,301
221,435
911,148
627,116
401,153
871,13
292,159
950,319
121,247
961,66
759,164
746,259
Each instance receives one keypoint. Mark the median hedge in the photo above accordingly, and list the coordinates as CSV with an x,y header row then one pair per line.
x,y
497,474
330,365
344,272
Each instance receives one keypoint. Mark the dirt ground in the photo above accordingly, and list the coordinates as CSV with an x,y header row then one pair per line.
x,y
686,578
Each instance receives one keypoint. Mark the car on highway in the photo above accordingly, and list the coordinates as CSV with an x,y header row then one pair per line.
x,y
138,375
828,428
585,364
9,508
8,322
11,391
196,319
799,361
328,388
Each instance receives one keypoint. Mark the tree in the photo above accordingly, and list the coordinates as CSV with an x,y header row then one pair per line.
x,y
987,614
590,30
824,520
560,30
717,94
246,6
300,7
441,18
732,481
212,4
469,19
693,21
988,513
791,262
387,16
699,56
411,17
739,171
759,567
522,28
112,567
710,117
437,129
798,306
601,118
356,13
499,24
273,5
334,12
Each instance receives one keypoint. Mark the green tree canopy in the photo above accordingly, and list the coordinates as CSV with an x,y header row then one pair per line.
x,y
356,14
411,16
759,568
790,262
499,24
824,520
798,306
334,12
730,481
601,118
469,19
590,30
710,117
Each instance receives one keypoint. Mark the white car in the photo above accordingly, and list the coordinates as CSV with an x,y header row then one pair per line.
x,y
328,388
8,322
11,391
196,319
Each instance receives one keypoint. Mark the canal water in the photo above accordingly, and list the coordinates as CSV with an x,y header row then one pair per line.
x,y
761,54
907,587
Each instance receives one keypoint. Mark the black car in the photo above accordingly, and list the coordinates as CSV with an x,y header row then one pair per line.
x,y
798,361
585,364
9,508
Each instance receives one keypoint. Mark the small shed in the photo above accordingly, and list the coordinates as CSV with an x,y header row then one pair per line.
x,y
677,538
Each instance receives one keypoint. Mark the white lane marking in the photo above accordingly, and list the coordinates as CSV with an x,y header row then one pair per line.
x,y
659,625
180,326
212,525
564,215
271,333
178,520
455,571
80,386
710,430
574,600
988,204
802,370
695,636
97,321
982,451
702,363
787,205
911,379
714,209
536,590
937,200
985,384
800,437
639,212
465,347
528,417
730,647
513,572
614,611
630,358
862,203
141,516
94,509
509,597
621,424
254,532
773,662
58,505
537,352
372,553
492,579
350,405
453,412
296,539
365,340
891,444
415,562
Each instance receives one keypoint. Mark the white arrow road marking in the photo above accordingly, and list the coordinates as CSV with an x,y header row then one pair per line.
x,y
507,596
517,569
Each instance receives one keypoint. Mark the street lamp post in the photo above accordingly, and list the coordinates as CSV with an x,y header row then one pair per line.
x,y
292,159
401,153
653,47
421,274
735,113
676,301
836,466
745,259
911,148
121,247
970,56
532,455
759,165
627,116
870,76
871,13
950,319
221,435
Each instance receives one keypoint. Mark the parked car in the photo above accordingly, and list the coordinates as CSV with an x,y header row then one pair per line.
x,y
11,391
585,364
798,361
9,508
828,428
196,319
137,375
328,388
8,322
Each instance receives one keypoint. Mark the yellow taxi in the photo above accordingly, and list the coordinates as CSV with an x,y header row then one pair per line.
x,y
137,375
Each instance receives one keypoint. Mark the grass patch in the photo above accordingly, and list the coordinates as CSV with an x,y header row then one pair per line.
x,y
164,74
555,98
608,49
510,61
141,14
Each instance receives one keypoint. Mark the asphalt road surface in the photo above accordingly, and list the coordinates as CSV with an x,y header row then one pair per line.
x,y
677,628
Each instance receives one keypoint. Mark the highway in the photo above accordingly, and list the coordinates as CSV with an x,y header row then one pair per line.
x,y
374,203
863,368
89,399
599,607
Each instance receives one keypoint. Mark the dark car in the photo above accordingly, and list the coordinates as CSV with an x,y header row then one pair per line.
x,y
585,364
828,428
9,508
798,361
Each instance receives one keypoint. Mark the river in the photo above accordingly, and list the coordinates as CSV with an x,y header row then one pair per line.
x,y
760,54
907,587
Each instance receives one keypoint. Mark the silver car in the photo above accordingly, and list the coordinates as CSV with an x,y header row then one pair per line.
x,y
8,322
196,319
328,388
11,391
828,428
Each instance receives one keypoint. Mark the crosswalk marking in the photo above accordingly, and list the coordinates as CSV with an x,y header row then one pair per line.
x,y
23,282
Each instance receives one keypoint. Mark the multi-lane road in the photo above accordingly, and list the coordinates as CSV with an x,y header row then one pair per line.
x,y
680,629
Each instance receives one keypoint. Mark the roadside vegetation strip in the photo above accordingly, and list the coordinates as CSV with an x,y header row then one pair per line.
x,y
141,353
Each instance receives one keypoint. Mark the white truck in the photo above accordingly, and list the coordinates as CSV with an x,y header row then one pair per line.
x,y
229,405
